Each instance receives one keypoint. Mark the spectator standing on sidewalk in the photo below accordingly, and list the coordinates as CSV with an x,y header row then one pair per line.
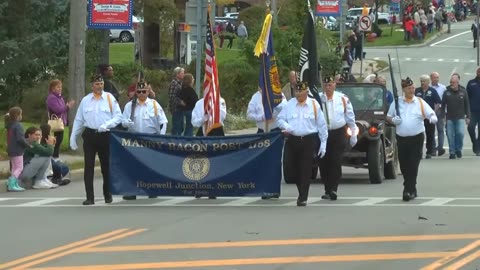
x,y
58,108
456,109
174,101
16,145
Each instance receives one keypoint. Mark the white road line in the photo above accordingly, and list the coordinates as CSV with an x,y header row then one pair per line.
x,y
408,59
371,201
242,201
4,199
376,58
424,59
440,60
472,61
41,202
454,36
174,201
453,47
437,202
456,60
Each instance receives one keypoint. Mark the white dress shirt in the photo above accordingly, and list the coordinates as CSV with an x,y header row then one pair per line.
x,y
93,113
145,120
412,117
440,88
339,111
299,119
256,112
198,113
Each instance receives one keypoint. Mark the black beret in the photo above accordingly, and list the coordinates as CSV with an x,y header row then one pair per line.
x,y
407,82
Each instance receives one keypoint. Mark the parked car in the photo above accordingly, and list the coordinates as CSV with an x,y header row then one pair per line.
x,y
233,15
125,35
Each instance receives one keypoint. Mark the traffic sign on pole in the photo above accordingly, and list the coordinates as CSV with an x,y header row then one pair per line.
x,y
365,23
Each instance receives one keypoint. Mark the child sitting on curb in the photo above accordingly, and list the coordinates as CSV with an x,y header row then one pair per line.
x,y
60,169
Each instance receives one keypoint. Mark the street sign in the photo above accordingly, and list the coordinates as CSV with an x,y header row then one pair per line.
x,y
110,14
365,23
183,27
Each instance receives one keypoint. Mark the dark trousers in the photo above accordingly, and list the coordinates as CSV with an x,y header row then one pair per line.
x,y
214,132
331,163
430,135
93,143
59,138
409,155
300,152
472,131
262,131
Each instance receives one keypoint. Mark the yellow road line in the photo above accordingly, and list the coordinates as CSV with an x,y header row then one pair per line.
x,y
283,242
254,261
59,249
77,249
461,263
455,255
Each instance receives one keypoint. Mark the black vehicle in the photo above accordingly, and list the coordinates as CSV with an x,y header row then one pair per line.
x,y
376,148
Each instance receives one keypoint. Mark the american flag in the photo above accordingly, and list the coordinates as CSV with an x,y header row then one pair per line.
x,y
211,91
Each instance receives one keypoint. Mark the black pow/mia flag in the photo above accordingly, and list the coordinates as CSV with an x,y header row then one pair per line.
x,y
308,64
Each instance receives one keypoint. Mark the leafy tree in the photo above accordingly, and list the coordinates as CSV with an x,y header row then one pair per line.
x,y
33,45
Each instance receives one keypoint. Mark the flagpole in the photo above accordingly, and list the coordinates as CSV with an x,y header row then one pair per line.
x,y
267,2
310,13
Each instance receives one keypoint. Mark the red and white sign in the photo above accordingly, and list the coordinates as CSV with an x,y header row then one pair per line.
x,y
110,14
328,8
365,23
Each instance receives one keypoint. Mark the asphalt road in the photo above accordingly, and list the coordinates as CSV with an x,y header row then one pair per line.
x,y
447,54
369,227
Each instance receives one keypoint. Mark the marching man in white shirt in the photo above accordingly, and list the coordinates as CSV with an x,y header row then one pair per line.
x,y
255,112
97,113
409,122
339,115
302,122
144,115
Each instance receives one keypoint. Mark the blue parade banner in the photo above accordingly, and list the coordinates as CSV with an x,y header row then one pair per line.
x,y
246,165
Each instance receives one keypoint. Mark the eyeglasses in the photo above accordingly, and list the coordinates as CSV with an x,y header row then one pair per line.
x,y
141,91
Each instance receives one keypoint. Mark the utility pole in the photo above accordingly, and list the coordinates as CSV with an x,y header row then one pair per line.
x,y
104,48
273,9
76,52
342,20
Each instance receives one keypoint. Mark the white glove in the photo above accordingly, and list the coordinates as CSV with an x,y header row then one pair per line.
x,y
73,145
128,123
433,119
103,128
322,150
205,117
353,140
397,120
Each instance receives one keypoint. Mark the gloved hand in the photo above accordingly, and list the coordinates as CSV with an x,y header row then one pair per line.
x,y
128,123
353,140
322,150
205,117
397,120
103,128
73,144
433,119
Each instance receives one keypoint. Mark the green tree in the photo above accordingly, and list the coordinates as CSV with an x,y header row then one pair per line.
x,y
33,45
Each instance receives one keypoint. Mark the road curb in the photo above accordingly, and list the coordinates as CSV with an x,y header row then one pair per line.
x,y
73,173
424,44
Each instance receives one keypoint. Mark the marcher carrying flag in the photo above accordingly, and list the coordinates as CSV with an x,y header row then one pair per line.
x,y
268,80
308,64
211,90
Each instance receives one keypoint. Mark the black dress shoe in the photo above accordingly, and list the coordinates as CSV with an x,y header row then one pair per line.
x,y
301,203
333,195
198,196
152,197
270,197
65,182
129,197
452,156
406,196
441,152
459,154
428,156
108,199
326,196
212,197
88,202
